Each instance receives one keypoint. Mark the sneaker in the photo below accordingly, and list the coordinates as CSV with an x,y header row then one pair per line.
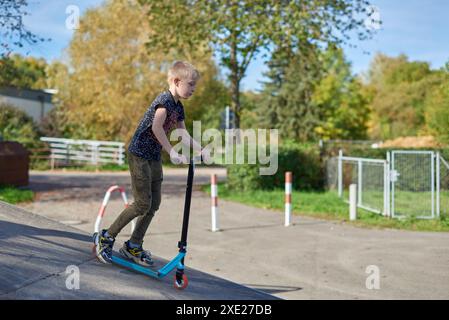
x,y
138,255
103,246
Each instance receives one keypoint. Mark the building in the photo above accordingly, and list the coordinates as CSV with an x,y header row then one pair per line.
x,y
36,103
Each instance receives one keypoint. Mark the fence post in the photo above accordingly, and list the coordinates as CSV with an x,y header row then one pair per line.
x,y
360,183
288,198
387,186
52,161
438,182
214,203
67,159
352,202
340,173
120,155
432,166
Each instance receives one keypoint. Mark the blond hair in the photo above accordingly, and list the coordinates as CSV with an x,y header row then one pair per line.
x,y
182,70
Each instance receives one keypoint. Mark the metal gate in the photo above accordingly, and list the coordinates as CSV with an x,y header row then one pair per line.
x,y
407,184
413,184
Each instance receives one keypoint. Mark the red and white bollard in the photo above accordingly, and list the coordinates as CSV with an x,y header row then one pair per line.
x,y
105,203
214,202
288,198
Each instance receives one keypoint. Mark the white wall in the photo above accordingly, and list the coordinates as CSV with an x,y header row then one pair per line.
x,y
31,107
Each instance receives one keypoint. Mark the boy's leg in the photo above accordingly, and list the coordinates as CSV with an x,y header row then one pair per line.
x,y
144,221
141,188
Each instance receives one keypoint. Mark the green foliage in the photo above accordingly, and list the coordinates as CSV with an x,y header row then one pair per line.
x,y
303,160
340,99
437,112
16,125
312,95
286,103
23,72
239,30
56,124
13,195
400,89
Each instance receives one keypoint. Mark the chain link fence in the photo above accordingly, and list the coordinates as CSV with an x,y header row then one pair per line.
x,y
413,189
370,177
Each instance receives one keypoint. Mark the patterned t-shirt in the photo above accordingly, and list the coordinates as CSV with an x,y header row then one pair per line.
x,y
144,143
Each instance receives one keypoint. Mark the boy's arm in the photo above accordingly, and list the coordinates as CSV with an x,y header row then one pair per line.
x,y
159,117
186,136
158,130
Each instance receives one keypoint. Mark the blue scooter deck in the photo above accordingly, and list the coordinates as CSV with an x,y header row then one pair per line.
x,y
174,263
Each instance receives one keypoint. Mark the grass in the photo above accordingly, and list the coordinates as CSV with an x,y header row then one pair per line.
x,y
418,203
326,205
15,195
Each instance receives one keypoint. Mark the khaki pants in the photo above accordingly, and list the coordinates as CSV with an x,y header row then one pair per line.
x,y
146,181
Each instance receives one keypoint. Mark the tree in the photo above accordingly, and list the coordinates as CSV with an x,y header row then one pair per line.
x,y
16,125
437,109
287,104
14,34
400,88
239,30
23,72
340,100
314,96
113,76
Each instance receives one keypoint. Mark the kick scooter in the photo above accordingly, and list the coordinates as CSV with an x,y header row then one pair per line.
x,y
180,279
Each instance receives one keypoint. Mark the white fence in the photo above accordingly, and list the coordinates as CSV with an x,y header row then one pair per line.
x,y
91,151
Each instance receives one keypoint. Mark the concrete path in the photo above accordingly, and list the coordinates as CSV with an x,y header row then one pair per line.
x,y
313,259
38,257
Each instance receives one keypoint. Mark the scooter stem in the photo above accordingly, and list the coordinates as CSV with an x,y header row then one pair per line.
x,y
185,223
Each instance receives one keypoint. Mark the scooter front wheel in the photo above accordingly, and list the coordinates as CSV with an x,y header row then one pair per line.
x,y
180,285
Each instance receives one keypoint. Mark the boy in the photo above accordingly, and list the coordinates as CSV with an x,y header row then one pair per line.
x,y
144,157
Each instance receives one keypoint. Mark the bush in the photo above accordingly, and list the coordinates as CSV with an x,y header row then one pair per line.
x,y
16,125
303,160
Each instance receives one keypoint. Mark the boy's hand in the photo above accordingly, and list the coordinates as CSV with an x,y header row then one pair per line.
x,y
177,158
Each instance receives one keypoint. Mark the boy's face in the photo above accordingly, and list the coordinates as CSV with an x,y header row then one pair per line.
x,y
185,87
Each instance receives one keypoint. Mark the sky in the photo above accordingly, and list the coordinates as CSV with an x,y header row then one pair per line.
x,y
417,28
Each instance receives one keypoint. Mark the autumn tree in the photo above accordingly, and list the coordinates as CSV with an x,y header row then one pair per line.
x,y
23,72
113,76
437,108
400,88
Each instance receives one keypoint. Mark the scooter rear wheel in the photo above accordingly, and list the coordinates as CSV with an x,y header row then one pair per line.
x,y
183,284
